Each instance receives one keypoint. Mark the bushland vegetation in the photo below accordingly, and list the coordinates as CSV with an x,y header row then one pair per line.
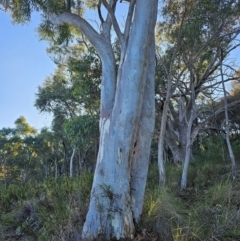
x,y
208,209
158,88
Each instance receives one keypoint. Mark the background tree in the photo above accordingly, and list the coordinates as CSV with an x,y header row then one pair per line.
x,y
17,150
234,173
85,142
48,147
70,94
194,69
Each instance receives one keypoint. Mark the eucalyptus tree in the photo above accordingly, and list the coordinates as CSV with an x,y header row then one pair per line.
x,y
5,152
71,92
230,150
126,108
18,151
48,145
234,114
55,96
192,66
213,113
82,131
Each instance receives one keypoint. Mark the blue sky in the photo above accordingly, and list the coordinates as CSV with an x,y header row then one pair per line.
x,y
24,65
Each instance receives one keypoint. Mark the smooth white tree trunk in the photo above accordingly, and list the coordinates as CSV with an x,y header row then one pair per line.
x,y
177,144
142,145
188,152
56,168
125,120
189,139
164,117
161,168
71,162
112,206
232,157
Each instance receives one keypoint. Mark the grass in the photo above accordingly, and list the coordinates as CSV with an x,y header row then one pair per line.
x,y
208,208
53,210
206,211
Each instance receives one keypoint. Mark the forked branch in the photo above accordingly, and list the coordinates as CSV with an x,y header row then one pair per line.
x,y
113,17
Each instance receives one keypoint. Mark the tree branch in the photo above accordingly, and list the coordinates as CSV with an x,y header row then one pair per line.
x,y
92,35
129,19
216,113
99,12
114,20
211,68
218,83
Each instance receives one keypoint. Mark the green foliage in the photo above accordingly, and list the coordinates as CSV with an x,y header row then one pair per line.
x,y
44,211
86,77
207,208
55,96
72,95
17,150
73,88
220,193
55,208
21,9
82,130
23,128
198,19
236,147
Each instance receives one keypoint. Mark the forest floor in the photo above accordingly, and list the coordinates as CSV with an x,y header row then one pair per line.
x,y
208,210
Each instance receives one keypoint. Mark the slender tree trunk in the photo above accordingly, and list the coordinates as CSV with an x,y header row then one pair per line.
x,y
24,175
80,163
56,168
162,174
161,168
4,171
189,139
71,162
188,152
177,143
234,172
46,168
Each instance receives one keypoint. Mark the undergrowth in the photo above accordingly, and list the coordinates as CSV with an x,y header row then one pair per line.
x,y
53,210
208,210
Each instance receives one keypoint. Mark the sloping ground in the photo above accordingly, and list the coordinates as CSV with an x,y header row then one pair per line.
x,y
208,210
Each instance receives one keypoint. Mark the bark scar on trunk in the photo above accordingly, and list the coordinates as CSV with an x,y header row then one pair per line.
x,y
119,156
